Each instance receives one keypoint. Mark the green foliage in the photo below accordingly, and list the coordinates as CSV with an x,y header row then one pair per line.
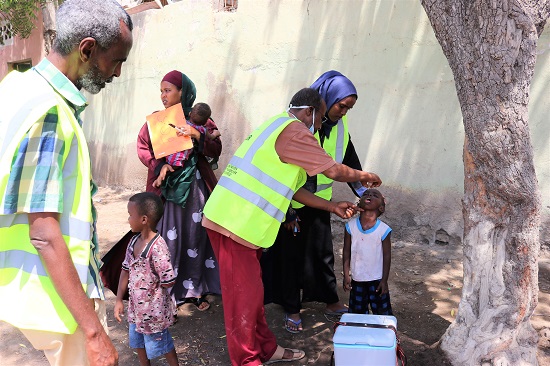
x,y
20,14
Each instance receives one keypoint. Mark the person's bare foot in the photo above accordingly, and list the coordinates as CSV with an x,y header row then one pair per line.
x,y
293,323
285,355
293,354
202,303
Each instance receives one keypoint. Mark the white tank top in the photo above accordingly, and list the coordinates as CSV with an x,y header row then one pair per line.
x,y
366,250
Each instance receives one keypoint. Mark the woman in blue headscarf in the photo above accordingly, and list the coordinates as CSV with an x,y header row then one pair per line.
x,y
305,259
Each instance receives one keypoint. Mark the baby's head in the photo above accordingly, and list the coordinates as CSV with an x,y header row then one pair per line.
x,y
145,205
200,114
372,200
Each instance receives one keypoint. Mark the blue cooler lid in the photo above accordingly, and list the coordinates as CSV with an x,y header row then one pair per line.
x,y
374,337
370,319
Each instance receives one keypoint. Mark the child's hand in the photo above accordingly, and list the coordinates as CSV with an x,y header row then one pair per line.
x,y
382,288
347,282
162,175
119,310
157,182
187,130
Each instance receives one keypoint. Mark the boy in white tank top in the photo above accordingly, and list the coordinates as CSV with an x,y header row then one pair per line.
x,y
367,257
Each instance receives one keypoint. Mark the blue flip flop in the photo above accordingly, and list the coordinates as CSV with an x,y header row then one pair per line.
x,y
297,323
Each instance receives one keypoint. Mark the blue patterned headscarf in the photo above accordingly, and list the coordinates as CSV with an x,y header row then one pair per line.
x,y
333,87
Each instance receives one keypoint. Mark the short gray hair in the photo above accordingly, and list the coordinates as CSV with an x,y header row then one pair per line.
x,y
78,19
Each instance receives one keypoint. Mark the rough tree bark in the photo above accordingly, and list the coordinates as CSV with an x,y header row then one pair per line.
x,y
491,49
48,19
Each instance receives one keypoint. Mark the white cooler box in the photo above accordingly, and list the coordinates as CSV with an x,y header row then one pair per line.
x,y
365,346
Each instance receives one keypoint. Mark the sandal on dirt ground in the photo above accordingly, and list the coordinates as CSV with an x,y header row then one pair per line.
x,y
280,352
296,323
201,303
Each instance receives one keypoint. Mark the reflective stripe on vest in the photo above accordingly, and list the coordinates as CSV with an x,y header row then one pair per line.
x,y
31,263
338,157
73,227
245,164
20,114
252,197
341,141
335,146
254,192
265,179
33,301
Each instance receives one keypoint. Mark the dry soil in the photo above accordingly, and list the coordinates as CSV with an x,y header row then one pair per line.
x,y
425,285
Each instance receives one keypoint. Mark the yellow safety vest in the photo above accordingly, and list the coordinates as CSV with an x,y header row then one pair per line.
x,y
28,299
335,145
255,190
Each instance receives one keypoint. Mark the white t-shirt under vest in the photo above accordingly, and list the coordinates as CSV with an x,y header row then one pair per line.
x,y
366,250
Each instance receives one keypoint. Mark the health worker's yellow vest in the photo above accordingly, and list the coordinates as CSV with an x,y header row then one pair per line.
x,y
255,190
28,299
335,145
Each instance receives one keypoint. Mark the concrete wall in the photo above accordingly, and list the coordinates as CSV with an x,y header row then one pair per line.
x,y
19,49
406,125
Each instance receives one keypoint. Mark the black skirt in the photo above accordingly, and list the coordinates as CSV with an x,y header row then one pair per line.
x,y
302,262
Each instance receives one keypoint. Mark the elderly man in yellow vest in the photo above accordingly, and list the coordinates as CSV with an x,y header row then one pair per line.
x,y
49,282
246,208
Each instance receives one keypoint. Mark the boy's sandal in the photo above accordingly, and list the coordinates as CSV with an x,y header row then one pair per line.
x,y
187,300
297,324
202,304
280,353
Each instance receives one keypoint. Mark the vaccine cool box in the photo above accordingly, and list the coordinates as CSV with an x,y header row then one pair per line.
x,y
362,345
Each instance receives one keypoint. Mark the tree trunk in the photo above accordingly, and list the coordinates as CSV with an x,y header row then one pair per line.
x,y
48,15
491,49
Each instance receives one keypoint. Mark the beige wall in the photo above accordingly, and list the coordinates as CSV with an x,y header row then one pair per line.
x,y
247,64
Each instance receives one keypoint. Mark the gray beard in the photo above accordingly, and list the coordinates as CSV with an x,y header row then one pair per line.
x,y
92,81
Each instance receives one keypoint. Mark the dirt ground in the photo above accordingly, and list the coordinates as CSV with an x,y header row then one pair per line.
x,y
425,285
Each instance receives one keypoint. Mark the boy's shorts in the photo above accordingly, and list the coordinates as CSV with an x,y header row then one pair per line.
x,y
363,295
156,344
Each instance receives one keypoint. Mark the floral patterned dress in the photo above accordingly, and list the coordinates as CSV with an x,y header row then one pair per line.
x,y
150,305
